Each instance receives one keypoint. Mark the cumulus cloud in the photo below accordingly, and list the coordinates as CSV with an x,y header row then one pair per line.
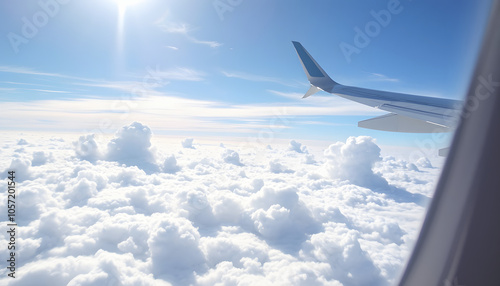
x,y
39,158
276,167
86,148
103,268
32,195
170,165
122,216
81,192
424,163
309,159
339,246
21,167
131,146
231,157
187,143
175,251
412,167
227,208
196,206
297,147
274,222
354,160
282,218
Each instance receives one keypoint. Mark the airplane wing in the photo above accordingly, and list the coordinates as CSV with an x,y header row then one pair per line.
x,y
408,113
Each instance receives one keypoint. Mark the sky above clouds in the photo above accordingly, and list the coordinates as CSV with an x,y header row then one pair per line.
x,y
166,142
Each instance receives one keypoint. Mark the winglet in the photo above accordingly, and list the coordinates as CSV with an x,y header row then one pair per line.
x,y
312,90
318,78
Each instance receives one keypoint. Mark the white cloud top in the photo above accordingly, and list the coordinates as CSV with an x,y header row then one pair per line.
x,y
130,213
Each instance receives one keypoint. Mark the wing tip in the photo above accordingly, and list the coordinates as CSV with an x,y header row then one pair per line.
x,y
315,74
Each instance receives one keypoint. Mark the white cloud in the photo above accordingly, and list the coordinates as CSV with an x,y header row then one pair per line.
x,y
187,143
381,77
290,95
167,113
170,165
354,161
32,195
227,208
184,74
47,90
297,147
339,247
309,159
274,223
86,148
175,251
276,167
131,146
21,167
231,157
33,72
185,30
258,78
154,78
99,218
424,162
233,247
175,28
212,44
79,194
39,158
23,70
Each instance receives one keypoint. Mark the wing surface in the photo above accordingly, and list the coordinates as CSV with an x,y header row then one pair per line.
x,y
416,113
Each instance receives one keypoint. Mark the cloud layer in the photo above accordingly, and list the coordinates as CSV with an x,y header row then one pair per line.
x,y
130,213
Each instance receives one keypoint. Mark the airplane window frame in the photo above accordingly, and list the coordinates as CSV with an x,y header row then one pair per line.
x,y
458,242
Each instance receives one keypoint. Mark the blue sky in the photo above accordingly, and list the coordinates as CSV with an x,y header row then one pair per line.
x,y
224,68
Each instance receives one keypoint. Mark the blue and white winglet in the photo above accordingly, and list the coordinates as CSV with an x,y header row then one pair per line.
x,y
408,113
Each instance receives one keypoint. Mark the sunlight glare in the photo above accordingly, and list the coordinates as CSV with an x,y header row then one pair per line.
x,y
122,7
123,4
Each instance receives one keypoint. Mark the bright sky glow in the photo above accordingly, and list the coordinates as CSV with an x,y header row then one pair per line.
x,y
232,62
125,3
